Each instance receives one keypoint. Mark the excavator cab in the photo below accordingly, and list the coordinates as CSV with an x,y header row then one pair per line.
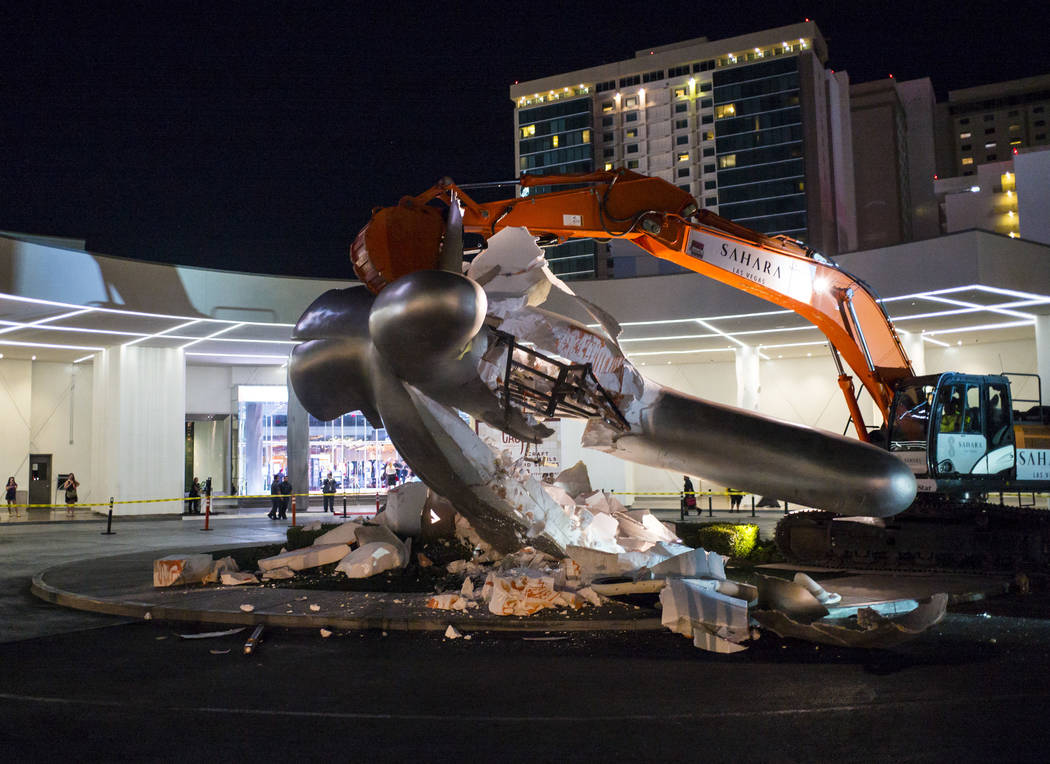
x,y
946,426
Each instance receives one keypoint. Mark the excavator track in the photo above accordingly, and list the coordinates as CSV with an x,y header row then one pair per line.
x,y
931,535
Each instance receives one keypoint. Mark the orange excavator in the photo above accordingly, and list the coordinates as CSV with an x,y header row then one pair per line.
x,y
957,432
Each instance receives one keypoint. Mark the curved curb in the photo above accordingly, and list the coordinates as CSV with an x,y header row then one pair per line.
x,y
390,616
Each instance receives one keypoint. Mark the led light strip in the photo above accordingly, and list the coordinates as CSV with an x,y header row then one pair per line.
x,y
980,328
139,314
47,345
238,355
161,334
14,326
210,336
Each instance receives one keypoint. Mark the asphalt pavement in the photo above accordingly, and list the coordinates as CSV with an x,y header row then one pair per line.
x,y
106,687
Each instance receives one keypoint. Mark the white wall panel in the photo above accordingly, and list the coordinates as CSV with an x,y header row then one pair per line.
x,y
139,409
15,417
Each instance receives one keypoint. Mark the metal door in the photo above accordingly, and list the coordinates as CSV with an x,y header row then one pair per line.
x,y
40,478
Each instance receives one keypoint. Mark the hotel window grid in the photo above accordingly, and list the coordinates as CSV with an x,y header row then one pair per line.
x,y
556,138
759,146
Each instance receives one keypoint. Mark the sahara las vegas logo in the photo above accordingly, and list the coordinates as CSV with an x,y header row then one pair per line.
x,y
743,262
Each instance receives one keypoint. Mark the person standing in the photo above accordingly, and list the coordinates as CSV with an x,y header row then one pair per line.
x,y
286,492
9,494
735,497
70,487
328,493
688,496
275,496
193,506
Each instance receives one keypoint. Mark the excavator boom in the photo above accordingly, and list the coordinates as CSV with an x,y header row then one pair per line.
x,y
665,222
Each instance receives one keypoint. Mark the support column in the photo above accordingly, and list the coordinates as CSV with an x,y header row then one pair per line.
x,y
298,448
916,350
1042,355
748,381
138,420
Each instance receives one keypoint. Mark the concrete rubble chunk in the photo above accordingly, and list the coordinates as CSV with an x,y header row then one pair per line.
x,y
405,505
237,578
372,558
276,574
519,594
345,533
695,608
574,480
220,566
181,569
452,632
307,557
367,534
447,601
696,563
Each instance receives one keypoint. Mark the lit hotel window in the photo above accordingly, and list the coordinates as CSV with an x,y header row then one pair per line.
x,y
608,165
683,157
967,160
679,92
554,141
729,160
964,136
586,136
726,110
528,130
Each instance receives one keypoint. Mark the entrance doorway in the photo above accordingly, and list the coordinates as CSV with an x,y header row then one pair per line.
x,y
40,478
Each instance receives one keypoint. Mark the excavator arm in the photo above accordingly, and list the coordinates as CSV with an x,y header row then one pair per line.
x,y
665,222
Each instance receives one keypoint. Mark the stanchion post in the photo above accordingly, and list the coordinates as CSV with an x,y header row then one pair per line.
x,y
752,505
377,501
710,508
785,507
293,510
109,521
207,513
344,505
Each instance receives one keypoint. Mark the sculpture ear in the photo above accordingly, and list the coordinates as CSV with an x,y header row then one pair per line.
x,y
451,258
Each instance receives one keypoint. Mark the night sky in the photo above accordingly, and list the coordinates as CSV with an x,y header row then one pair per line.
x,y
258,136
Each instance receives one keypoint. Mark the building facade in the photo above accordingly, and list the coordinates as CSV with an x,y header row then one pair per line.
x,y
1008,197
989,123
755,127
893,150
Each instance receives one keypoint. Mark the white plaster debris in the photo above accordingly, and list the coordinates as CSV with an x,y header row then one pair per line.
x,y
372,558
716,622
824,597
307,557
325,633
345,533
181,569
275,574
452,632
696,563
218,567
404,509
247,608
447,601
315,608
237,578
